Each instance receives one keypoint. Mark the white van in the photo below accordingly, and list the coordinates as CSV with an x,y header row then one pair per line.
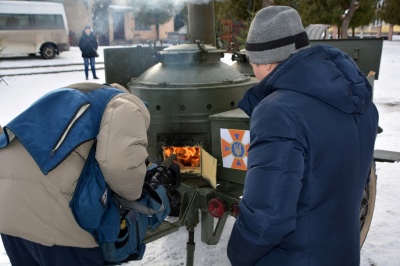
x,y
33,27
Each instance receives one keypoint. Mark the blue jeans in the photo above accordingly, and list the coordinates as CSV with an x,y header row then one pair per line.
x,y
86,61
23,252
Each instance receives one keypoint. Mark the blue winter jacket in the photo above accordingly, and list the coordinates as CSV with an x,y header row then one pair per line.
x,y
312,128
51,128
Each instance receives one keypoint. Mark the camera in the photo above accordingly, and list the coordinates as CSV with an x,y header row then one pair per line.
x,y
166,174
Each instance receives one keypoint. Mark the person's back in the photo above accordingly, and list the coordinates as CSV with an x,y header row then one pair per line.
x,y
327,230
34,206
313,128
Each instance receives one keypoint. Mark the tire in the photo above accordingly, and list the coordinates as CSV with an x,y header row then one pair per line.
x,y
367,205
48,51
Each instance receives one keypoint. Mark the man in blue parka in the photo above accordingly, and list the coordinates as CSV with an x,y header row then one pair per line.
x,y
312,128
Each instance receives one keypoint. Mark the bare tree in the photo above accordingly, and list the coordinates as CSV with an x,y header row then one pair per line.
x,y
390,14
268,3
348,14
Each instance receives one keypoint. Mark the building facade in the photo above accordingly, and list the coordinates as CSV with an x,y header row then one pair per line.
x,y
112,21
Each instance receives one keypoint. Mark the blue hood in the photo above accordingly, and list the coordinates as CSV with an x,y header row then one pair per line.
x,y
322,72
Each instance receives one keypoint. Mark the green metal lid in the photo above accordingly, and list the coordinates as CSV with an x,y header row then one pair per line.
x,y
232,115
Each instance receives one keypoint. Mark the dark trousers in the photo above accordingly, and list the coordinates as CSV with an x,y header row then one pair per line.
x,y
92,61
22,252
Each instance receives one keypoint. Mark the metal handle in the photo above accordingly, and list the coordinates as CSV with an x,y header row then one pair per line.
x,y
201,46
356,54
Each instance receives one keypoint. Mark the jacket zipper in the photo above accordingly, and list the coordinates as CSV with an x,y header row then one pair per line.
x,y
78,115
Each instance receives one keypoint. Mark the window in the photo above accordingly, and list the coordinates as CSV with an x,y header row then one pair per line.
x,y
141,26
26,22
15,22
47,22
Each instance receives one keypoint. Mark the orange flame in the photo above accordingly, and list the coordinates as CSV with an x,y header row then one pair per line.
x,y
185,156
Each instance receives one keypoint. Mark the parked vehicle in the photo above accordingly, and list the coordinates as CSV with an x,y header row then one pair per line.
x,y
33,27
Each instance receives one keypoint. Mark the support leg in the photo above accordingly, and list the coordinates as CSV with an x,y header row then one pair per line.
x,y
190,247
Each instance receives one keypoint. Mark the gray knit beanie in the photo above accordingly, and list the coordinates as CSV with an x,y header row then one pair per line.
x,y
274,34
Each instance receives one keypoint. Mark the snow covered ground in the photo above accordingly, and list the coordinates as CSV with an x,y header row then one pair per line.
x,y
382,246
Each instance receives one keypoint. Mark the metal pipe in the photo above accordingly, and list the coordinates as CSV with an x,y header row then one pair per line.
x,y
202,23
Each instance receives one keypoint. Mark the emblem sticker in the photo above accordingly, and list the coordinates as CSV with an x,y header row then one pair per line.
x,y
235,144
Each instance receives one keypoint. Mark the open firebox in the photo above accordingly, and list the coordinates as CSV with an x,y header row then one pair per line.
x,y
187,157
194,162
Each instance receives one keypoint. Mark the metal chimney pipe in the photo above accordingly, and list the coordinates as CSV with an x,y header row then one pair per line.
x,y
202,23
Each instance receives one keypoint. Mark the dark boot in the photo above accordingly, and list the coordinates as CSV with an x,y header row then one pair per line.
x,y
94,73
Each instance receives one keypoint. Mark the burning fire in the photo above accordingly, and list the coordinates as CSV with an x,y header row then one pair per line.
x,y
185,156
